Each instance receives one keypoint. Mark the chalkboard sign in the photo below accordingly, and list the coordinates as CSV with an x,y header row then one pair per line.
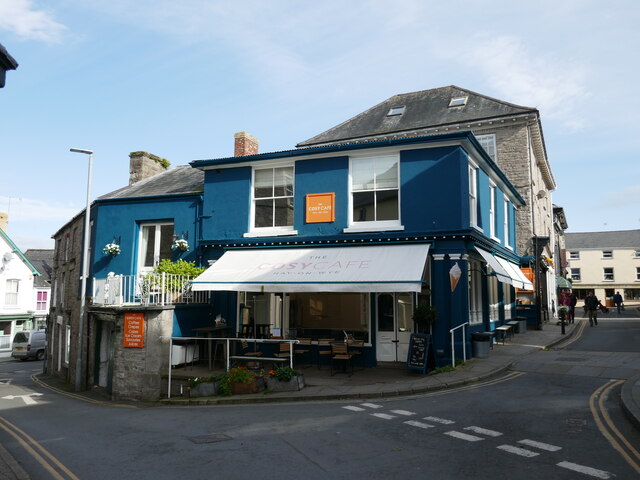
x,y
420,355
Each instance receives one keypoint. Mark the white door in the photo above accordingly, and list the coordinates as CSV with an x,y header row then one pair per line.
x,y
395,325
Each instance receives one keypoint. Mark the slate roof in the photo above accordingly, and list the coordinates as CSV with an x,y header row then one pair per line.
x,y
7,62
423,109
42,260
179,180
612,240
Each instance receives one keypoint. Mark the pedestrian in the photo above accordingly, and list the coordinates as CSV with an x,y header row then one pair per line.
x,y
573,300
617,299
591,304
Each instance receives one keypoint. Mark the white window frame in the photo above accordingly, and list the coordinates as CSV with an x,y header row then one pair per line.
x,y
142,244
607,254
605,274
493,217
473,195
575,274
506,300
488,143
12,290
271,231
375,225
475,292
507,205
574,255
638,273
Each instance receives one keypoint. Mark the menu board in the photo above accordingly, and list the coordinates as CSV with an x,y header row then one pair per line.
x,y
134,330
420,355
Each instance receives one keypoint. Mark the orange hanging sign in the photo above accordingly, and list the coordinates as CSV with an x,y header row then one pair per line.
x,y
321,207
133,330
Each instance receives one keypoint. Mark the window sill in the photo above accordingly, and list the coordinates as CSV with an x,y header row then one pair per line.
x,y
271,233
396,228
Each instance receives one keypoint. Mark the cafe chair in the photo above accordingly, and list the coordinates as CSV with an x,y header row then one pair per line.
x,y
284,350
324,348
340,354
302,348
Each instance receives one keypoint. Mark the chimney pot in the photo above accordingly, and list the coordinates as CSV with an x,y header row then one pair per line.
x,y
245,144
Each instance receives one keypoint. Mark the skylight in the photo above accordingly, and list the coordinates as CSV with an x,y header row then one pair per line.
x,y
396,111
458,101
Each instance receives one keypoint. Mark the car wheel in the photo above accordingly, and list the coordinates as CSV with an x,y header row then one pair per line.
x,y
40,355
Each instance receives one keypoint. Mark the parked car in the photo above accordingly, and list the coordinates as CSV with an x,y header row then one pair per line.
x,y
29,344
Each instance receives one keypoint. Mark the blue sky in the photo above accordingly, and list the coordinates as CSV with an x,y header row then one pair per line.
x,y
178,79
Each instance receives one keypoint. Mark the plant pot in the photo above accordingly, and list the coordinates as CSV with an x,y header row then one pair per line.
x,y
204,389
243,388
295,384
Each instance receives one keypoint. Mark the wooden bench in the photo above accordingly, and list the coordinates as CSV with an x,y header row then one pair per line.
x,y
504,332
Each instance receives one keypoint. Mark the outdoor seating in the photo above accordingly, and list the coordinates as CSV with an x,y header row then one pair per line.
x,y
302,348
324,348
340,355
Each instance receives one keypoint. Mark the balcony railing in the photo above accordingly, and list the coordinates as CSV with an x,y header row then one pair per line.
x,y
146,289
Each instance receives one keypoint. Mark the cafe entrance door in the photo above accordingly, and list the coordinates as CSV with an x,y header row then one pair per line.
x,y
395,325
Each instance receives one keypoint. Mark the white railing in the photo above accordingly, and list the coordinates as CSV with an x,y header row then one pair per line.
x,y
464,344
146,289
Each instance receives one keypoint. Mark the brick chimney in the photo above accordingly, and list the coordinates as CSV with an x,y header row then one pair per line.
x,y
4,221
144,165
245,144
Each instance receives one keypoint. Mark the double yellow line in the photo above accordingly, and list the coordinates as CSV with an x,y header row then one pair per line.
x,y
38,452
607,427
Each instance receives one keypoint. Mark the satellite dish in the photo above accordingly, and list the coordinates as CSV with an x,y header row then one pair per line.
x,y
542,193
7,257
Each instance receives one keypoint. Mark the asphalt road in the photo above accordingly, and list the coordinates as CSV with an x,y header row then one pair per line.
x,y
540,423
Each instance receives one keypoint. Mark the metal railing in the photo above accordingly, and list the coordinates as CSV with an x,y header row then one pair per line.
x,y
146,289
464,344
227,341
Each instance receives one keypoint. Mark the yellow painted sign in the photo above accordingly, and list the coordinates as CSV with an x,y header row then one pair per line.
x,y
321,207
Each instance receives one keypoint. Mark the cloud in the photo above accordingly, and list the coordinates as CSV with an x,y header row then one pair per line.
x,y
556,86
25,20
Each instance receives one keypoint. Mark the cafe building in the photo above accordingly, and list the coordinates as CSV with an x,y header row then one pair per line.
x,y
344,241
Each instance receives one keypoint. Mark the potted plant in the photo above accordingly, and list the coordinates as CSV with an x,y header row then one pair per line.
x,y
284,379
180,244
425,317
202,386
241,380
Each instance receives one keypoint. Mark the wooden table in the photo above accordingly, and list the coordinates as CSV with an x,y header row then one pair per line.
x,y
210,332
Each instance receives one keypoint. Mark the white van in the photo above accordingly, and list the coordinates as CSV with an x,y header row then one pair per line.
x,y
29,344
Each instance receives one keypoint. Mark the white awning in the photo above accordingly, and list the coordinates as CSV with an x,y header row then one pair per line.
x,y
513,270
388,268
503,275
518,276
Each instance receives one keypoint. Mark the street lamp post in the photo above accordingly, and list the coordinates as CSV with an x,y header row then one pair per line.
x,y
85,270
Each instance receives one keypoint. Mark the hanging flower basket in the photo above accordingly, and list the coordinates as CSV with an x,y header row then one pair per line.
x,y
111,249
181,245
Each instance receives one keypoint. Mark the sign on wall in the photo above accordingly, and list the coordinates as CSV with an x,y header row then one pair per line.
x,y
133,330
321,207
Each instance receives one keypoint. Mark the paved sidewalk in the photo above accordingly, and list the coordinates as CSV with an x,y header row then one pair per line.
x,y
383,381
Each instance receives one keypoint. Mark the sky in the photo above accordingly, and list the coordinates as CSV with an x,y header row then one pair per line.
x,y
178,79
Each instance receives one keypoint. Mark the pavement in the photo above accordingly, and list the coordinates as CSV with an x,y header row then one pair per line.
x,y
386,380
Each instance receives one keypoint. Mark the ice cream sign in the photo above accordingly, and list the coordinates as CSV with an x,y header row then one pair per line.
x,y
321,207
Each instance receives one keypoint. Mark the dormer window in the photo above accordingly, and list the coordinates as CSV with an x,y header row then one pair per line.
x,y
458,101
396,111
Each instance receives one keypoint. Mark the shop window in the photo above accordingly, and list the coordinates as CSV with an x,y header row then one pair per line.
x,y
155,244
575,274
11,292
273,200
607,274
375,193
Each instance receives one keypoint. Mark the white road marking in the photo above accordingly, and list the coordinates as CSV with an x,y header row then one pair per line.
x,y
540,445
484,431
443,421
463,436
384,416
371,405
415,423
518,451
586,470
26,398
354,409
406,413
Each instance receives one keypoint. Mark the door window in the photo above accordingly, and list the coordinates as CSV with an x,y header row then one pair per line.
x,y
155,244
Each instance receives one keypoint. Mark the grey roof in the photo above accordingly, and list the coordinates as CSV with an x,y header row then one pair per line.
x,y
424,109
178,180
42,261
614,239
